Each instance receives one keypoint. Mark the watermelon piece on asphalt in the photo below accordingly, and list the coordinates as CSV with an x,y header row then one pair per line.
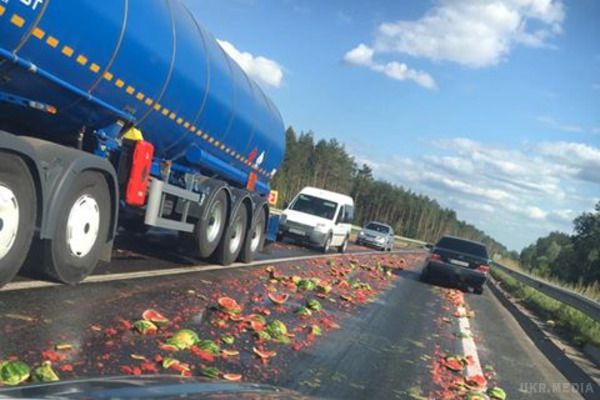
x,y
232,377
154,317
45,373
145,327
183,339
278,298
13,372
496,393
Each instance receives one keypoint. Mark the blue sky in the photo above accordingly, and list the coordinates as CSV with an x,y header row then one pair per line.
x,y
490,106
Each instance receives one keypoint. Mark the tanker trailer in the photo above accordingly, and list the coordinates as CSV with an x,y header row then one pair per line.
x,y
126,110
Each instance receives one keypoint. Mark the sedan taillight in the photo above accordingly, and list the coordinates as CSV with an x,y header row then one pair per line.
x,y
483,268
435,257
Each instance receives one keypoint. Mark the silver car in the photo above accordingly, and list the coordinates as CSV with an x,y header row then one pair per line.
x,y
378,235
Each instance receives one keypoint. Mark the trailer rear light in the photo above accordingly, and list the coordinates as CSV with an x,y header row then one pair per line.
x,y
42,107
483,268
435,257
251,184
139,177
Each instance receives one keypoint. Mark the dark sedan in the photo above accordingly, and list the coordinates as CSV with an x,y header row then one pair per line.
x,y
462,261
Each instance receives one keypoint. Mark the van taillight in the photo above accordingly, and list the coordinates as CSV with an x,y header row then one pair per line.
x,y
483,268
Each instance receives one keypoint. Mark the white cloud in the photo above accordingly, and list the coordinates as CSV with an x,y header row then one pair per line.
x,y
474,33
554,124
515,194
460,186
535,212
362,55
571,153
401,72
458,165
583,159
262,69
566,215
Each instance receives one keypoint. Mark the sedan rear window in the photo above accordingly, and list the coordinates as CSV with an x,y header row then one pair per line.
x,y
463,246
377,227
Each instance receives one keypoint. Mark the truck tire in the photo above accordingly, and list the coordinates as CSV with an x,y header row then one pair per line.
x,y
82,225
209,231
233,238
344,246
254,239
18,211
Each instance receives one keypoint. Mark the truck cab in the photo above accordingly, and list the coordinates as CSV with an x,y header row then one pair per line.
x,y
318,217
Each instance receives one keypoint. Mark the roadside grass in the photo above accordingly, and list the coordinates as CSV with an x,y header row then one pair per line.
x,y
570,323
590,291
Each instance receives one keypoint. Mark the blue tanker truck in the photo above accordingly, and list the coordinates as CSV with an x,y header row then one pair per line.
x,y
126,113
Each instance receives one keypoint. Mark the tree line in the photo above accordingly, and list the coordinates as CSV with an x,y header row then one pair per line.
x,y
326,164
571,258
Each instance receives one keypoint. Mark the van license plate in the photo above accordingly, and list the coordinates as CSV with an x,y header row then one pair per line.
x,y
297,232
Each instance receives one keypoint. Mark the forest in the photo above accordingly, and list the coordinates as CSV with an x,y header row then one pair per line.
x,y
569,258
326,164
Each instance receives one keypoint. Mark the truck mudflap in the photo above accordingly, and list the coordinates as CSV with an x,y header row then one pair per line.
x,y
272,228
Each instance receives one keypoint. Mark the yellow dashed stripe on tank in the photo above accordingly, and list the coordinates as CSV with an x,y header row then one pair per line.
x,y
67,51
38,33
17,20
52,41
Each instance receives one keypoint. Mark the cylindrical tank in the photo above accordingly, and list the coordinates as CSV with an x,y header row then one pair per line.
x,y
150,59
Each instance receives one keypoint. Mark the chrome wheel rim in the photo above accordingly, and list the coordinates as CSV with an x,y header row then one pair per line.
x,y
9,219
83,225
215,220
236,236
256,237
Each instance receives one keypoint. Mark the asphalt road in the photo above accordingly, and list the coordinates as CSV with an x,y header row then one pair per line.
x,y
161,250
389,348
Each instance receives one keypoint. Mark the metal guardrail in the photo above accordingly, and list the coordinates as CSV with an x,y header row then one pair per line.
x,y
587,306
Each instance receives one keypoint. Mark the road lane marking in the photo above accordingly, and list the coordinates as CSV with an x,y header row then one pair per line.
x,y
467,347
185,270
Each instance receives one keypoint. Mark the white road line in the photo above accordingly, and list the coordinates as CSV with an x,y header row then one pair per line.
x,y
467,347
182,270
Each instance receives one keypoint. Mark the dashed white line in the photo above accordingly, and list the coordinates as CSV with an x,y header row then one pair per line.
x,y
467,347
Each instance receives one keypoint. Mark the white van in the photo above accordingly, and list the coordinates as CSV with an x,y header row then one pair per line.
x,y
319,218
